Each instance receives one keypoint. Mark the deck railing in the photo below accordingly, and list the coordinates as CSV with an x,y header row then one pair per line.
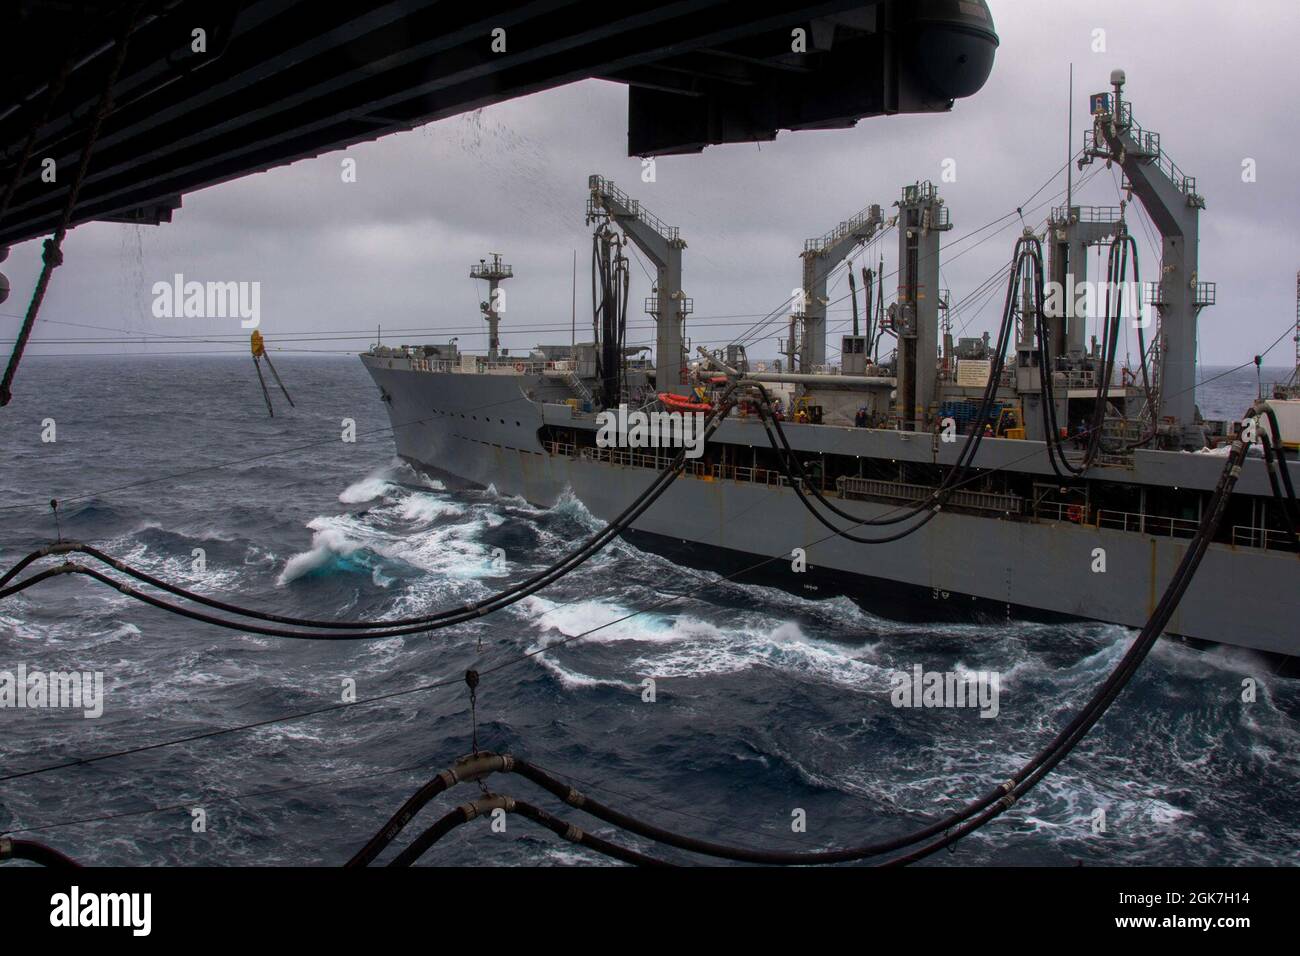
x,y
1247,537
1147,524
849,487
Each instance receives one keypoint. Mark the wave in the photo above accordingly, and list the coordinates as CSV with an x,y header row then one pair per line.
x,y
683,645
367,489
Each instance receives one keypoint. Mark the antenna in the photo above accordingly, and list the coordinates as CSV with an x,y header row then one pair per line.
x,y
1069,147
1295,376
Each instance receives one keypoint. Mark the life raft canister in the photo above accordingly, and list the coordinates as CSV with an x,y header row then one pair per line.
x,y
682,404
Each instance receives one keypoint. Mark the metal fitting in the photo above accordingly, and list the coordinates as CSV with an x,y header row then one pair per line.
x,y
476,766
484,806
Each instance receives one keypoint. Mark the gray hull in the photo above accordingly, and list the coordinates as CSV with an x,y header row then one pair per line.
x,y
485,429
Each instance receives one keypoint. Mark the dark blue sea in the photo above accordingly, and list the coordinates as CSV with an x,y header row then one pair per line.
x,y
766,703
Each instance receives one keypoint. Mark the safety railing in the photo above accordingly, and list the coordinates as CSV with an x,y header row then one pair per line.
x,y
901,491
685,305
1059,511
1147,524
1078,378
491,270
606,195
939,218
1147,145
1244,536
634,458
1062,214
863,224
918,192
1203,294
480,366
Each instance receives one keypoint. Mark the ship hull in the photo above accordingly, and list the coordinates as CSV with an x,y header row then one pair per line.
x,y
484,429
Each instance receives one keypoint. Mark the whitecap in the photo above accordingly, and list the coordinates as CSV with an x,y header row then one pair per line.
x,y
367,489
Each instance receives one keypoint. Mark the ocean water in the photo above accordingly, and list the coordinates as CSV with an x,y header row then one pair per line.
x,y
765,704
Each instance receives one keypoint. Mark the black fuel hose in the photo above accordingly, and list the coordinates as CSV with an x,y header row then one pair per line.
x,y
980,811
474,767
1065,742
33,852
1285,505
975,814
431,835
582,838
493,802
595,541
1116,273
1268,412
995,801
965,456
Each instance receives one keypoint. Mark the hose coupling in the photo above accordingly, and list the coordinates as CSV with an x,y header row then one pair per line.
x,y
477,766
486,805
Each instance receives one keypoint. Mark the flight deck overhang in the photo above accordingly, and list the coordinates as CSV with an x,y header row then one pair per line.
x,y
282,80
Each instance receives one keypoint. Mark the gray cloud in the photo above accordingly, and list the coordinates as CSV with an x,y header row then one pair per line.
x,y
395,247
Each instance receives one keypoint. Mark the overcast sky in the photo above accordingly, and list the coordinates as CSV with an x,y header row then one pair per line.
x,y
1217,80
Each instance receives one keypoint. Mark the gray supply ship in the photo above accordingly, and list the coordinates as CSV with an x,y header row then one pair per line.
x,y
1095,532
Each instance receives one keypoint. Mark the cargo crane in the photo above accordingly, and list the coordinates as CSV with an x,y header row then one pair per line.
x,y
1170,198
820,257
663,245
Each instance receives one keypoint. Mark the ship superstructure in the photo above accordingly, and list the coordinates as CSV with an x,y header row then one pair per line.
x,y
1050,478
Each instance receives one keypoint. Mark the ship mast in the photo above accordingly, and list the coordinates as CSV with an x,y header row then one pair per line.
x,y
493,272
